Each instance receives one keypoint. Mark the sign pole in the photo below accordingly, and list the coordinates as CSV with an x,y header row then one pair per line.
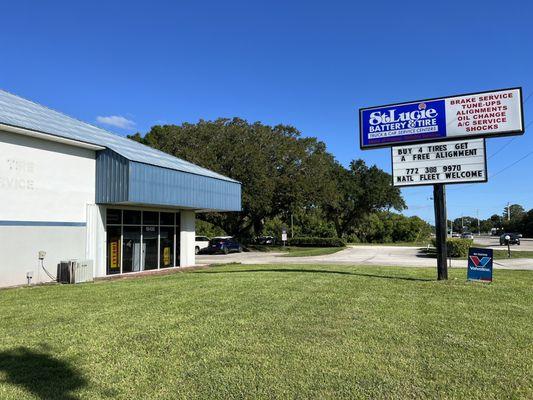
x,y
440,230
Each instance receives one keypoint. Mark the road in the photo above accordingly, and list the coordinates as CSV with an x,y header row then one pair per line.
x,y
494,243
357,255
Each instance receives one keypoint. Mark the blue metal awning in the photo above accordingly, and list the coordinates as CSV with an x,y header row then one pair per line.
x,y
122,181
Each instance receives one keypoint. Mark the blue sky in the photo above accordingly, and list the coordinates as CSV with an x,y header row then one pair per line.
x,y
309,64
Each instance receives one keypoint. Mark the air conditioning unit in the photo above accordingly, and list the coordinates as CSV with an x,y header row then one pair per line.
x,y
74,271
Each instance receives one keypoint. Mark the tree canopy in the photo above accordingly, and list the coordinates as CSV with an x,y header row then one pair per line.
x,y
282,174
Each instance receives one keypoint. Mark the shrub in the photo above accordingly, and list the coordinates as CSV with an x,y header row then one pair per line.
x,y
317,242
456,247
204,228
386,227
352,238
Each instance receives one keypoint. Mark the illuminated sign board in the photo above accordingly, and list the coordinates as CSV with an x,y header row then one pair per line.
x,y
486,114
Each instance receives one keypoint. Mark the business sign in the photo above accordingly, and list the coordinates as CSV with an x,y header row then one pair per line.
x,y
460,161
114,254
494,113
480,264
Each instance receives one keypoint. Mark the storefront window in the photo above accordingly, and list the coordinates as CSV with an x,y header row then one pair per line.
x,y
132,217
150,218
166,234
167,218
114,216
113,249
141,240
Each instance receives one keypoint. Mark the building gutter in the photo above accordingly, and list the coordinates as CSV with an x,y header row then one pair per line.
x,y
49,137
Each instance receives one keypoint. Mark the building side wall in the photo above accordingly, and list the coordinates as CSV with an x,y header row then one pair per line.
x,y
187,238
45,188
19,247
44,181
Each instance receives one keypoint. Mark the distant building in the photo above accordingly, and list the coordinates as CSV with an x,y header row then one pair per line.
x,y
75,191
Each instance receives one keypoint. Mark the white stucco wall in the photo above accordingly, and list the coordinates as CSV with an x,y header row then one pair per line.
x,y
44,186
187,238
44,181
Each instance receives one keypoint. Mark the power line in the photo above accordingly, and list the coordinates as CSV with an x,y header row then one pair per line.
x,y
503,147
508,166
511,165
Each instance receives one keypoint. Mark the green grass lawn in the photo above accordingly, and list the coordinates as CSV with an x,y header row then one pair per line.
x,y
499,254
233,332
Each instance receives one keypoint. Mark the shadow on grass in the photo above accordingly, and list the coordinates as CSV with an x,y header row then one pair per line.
x,y
318,271
40,374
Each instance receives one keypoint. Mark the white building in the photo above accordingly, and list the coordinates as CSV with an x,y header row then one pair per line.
x,y
75,191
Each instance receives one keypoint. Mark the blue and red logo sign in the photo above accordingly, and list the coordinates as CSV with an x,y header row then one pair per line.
x,y
401,123
480,264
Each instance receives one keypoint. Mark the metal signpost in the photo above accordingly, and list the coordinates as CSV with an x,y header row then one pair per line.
x,y
441,141
284,235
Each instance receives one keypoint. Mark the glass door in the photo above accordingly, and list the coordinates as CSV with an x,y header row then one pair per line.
x,y
167,246
132,253
150,247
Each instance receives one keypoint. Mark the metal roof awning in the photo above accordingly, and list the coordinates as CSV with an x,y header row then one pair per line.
x,y
122,181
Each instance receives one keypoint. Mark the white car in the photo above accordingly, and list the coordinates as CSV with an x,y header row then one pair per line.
x,y
200,243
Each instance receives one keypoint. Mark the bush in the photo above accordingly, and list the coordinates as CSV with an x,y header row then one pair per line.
x,y
386,227
352,238
456,247
317,242
204,228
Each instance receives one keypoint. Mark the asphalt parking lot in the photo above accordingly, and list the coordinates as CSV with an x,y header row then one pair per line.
x,y
357,255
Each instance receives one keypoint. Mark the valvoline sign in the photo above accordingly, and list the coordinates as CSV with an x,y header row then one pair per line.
x,y
468,116
480,263
404,123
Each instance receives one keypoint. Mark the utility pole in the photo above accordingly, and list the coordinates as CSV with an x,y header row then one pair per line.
x,y
508,211
478,224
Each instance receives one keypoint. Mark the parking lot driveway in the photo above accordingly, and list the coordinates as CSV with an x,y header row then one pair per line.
x,y
493,242
356,255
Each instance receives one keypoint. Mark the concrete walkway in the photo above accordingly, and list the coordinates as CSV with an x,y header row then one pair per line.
x,y
357,255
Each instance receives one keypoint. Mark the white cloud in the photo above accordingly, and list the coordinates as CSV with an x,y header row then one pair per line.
x,y
116,120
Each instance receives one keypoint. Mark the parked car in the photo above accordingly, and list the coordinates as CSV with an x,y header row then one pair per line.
x,y
201,242
265,240
225,245
467,236
456,235
513,239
